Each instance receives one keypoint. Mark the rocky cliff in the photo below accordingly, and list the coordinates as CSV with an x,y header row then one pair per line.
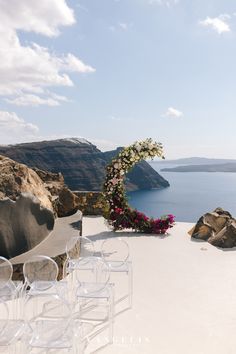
x,y
16,178
80,162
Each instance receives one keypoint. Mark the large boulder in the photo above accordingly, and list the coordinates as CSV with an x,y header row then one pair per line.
x,y
65,202
48,187
53,182
16,178
29,202
217,227
24,224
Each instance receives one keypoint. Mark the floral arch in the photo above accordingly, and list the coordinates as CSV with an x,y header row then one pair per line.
x,y
118,212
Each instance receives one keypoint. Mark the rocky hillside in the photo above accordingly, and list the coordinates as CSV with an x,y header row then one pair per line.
x,y
80,162
17,179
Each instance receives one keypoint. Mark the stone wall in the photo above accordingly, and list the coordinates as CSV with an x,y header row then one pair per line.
x,y
90,203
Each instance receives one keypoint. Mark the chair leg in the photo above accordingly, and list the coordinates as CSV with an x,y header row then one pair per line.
x,y
130,280
111,315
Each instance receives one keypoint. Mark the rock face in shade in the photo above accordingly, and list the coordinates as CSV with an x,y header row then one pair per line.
x,y
28,201
53,182
80,162
64,201
24,223
16,178
218,228
48,187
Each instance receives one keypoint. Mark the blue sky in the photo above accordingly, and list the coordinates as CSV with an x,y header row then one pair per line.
x,y
119,71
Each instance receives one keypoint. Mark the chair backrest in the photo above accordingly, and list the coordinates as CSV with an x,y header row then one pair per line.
x,y
79,247
6,271
92,273
40,272
115,250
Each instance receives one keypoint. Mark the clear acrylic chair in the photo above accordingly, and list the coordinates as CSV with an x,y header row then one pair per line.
x,y
115,252
50,325
94,294
6,271
11,323
42,287
76,248
8,288
40,273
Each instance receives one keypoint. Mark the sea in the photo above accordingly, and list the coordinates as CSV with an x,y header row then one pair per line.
x,y
190,195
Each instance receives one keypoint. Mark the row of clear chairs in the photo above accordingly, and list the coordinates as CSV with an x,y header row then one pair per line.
x,y
113,257
36,315
11,322
48,314
114,252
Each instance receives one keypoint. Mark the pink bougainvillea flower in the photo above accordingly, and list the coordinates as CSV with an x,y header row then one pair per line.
x,y
114,181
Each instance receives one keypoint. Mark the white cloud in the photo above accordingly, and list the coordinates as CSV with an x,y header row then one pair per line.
x,y
58,97
13,128
72,63
173,112
44,16
218,24
168,3
114,118
32,100
120,26
124,25
30,69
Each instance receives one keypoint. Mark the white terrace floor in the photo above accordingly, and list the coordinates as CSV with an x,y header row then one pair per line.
x,y
184,295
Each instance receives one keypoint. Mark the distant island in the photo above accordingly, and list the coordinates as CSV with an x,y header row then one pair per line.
x,y
195,161
224,167
195,164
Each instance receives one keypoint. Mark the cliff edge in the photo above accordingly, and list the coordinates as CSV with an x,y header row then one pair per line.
x,y
81,163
